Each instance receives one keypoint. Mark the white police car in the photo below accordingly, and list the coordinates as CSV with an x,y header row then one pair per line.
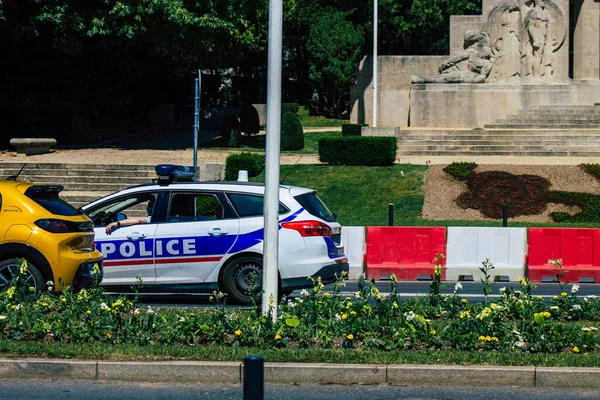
x,y
205,236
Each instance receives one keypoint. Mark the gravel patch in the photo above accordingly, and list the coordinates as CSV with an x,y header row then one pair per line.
x,y
442,189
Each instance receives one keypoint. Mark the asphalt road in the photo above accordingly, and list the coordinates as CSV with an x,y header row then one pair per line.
x,y
103,390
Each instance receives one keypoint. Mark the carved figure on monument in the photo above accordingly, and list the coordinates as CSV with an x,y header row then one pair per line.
x,y
545,26
506,32
473,65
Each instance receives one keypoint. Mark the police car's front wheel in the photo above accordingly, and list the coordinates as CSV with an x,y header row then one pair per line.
x,y
242,279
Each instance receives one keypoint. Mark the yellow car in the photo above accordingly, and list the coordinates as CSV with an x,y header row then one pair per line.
x,y
56,239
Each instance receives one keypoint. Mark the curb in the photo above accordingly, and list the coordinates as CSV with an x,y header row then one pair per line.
x,y
210,372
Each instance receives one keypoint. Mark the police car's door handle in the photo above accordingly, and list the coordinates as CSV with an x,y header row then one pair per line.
x,y
217,232
136,236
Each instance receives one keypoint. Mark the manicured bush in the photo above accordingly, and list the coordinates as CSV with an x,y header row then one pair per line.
x,y
290,107
292,134
460,170
352,129
253,163
249,120
363,150
230,131
588,202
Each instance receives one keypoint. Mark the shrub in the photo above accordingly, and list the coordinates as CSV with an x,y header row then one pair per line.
x,y
249,120
230,131
292,135
352,129
290,107
363,150
253,163
460,170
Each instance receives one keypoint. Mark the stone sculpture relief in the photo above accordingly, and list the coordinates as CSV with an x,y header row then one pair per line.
x,y
473,65
516,45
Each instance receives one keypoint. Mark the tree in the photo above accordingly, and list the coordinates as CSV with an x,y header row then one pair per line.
x,y
335,48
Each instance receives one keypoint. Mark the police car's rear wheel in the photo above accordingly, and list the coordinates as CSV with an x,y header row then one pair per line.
x,y
11,269
242,279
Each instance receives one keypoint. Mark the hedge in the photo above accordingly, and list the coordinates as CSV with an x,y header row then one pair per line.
x,y
358,150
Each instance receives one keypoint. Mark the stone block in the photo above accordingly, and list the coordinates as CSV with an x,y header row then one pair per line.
x,y
32,146
211,172
171,371
568,377
47,369
324,374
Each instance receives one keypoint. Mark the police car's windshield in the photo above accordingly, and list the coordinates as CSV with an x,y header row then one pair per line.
x,y
314,205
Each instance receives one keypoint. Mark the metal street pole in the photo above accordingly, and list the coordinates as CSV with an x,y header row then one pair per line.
x,y
196,123
375,62
271,210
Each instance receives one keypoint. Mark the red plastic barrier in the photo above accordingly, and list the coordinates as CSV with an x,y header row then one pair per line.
x,y
406,252
578,248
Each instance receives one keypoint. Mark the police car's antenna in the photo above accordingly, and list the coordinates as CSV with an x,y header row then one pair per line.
x,y
281,183
14,177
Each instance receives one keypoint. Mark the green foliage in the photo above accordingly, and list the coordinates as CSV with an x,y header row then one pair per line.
x,y
253,163
292,134
371,151
249,120
335,48
230,131
588,202
309,120
352,129
293,108
460,169
318,319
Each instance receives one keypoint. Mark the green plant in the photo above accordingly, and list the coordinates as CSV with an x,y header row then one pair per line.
x,y
436,283
460,170
253,163
368,151
352,129
292,135
249,120
486,267
230,131
294,108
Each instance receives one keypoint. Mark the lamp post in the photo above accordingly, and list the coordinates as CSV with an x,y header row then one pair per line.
x,y
375,63
271,209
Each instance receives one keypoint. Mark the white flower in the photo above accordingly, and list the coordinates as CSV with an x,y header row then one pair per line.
x,y
409,316
585,329
520,344
575,289
576,307
2,317
592,297
554,308
457,287
103,306
149,310
357,295
338,317
181,319
502,289
304,292
136,311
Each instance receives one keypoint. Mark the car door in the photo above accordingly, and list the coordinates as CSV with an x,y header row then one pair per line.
x,y
129,250
200,228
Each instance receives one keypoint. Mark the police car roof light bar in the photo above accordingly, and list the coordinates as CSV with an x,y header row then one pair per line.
x,y
169,173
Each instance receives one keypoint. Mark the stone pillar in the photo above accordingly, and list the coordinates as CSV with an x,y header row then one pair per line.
x,y
586,40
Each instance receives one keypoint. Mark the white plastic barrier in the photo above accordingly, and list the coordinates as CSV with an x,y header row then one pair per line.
x,y
468,247
353,238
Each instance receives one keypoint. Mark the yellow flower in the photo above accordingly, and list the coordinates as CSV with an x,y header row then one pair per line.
x,y
465,301
350,337
352,312
238,332
326,294
344,316
13,307
575,349
433,332
555,297
488,338
482,338
395,305
88,312
108,335
563,294
539,297
277,337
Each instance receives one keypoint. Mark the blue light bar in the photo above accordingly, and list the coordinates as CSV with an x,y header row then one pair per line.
x,y
168,173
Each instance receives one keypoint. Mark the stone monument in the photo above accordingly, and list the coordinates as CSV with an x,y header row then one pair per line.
x,y
513,57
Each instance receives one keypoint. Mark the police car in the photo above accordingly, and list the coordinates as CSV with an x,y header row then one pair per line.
x,y
206,236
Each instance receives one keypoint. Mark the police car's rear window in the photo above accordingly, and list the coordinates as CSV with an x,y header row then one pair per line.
x,y
313,204
248,205
47,197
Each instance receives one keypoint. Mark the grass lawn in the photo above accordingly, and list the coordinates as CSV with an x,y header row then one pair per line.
x,y
314,121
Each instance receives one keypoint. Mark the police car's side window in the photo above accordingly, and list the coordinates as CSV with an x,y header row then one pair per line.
x,y
248,205
124,207
187,207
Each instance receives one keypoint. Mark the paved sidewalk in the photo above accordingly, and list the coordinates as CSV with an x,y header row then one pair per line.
x,y
298,373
